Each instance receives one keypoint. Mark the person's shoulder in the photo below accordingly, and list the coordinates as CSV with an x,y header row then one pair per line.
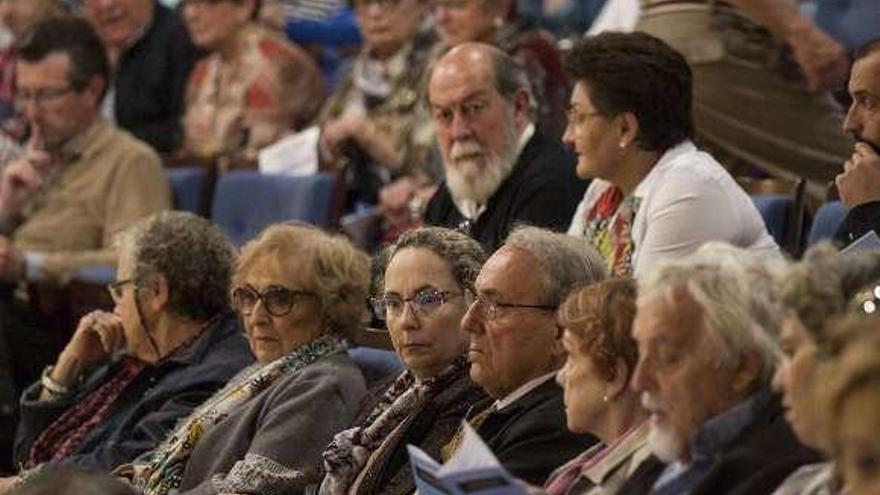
x,y
111,140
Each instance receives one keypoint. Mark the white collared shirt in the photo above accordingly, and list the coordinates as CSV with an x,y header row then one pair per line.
x,y
524,389
687,199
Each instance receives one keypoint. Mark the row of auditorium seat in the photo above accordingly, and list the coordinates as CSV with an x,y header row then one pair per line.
x,y
244,202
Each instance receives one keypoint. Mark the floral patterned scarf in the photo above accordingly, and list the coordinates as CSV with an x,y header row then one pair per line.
x,y
608,226
164,472
350,449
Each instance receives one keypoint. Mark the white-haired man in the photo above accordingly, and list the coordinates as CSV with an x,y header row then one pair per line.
x,y
705,364
499,169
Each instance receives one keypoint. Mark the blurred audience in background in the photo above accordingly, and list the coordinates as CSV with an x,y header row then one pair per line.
x,y
151,56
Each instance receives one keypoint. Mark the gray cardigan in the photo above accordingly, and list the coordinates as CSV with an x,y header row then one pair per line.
x,y
273,443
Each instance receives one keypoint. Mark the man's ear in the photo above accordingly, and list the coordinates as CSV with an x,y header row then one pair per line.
x,y
95,88
747,371
157,287
522,100
628,129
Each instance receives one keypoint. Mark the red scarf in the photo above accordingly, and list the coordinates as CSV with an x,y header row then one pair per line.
x,y
61,439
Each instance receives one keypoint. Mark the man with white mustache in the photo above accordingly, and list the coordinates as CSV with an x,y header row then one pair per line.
x,y
705,365
499,169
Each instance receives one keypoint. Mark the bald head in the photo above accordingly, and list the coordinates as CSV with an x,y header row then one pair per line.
x,y
475,62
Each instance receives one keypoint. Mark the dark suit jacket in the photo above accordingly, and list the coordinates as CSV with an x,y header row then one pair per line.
x,y
542,190
430,429
150,81
529,437
858,222
756,463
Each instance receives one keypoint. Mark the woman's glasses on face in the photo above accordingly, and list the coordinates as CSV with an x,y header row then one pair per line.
x,y
277,301
423,302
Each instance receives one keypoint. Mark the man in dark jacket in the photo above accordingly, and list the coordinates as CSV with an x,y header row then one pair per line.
x,y
705,363
500,169
859,184
152,55
515,349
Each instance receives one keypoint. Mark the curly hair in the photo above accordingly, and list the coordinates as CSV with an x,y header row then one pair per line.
x,y
193,256
336,271
855,370
600,317
638,73
821,285
464,255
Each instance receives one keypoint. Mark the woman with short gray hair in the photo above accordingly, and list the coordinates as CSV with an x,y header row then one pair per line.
x,y
815,291
126,377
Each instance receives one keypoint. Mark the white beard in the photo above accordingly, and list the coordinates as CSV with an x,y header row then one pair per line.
x,y
664,442
474,172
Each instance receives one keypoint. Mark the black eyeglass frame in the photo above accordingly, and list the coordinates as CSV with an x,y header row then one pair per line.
x,y
487,309
292,295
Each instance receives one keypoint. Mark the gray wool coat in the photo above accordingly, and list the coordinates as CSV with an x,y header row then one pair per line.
x,y
273,443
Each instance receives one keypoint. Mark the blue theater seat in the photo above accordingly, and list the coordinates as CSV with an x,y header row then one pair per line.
x,y
826,222
186,187
246,202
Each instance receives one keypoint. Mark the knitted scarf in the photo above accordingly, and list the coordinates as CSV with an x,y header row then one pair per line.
x,y
350,449
168,462
61,438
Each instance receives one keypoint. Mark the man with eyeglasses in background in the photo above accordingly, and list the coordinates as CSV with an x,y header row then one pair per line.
x,y
499,169
79,182
516,349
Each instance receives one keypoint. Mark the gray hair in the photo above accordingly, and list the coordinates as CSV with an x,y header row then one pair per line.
x,y
193,256
567,262
510,77
735,290
464,255
819,286
336,271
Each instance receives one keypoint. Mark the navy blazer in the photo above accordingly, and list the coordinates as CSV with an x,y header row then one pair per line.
x,y
149,407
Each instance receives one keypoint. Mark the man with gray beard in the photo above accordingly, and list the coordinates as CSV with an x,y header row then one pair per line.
x,y
500,170
705,364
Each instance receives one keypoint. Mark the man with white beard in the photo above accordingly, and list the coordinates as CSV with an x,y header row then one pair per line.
x,y
499,170
705,365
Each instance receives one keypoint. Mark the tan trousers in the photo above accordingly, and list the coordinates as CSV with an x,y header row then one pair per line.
x,y
750,105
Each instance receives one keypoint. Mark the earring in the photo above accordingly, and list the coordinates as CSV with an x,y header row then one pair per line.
x,y
497,22
605,398
622,144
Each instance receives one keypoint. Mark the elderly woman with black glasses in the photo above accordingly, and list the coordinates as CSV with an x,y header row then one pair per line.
x,y
423,279
127,377
299,291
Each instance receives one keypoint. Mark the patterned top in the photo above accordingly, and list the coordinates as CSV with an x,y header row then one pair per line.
x,y
608,226
389,93
240,105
